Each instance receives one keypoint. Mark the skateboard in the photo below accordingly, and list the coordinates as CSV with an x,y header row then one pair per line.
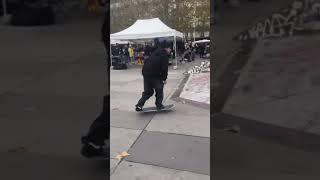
x,y
154,109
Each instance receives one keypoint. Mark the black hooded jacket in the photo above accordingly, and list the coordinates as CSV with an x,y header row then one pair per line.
x,y
156,66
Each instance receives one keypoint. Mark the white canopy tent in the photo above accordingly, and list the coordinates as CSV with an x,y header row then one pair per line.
x,y
202,41
114,41
148,29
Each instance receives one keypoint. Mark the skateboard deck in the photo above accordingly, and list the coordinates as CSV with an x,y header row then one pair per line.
x,y
154,109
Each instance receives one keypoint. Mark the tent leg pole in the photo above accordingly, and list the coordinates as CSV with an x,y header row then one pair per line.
x,y
175,51
110,57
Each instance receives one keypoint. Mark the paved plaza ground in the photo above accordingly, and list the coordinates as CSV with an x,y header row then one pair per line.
x,y
52,83
169,145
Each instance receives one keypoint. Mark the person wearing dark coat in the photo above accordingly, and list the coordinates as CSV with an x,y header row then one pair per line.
x,y
155,73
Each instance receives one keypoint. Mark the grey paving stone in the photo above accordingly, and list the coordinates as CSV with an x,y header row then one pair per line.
x,y
113,164
276,113
184,119
173,151
136,171
137,85
17,166
129,119
249,157
56,80
72,79
126,88
13,76
260,174
50,124
121,140
126,101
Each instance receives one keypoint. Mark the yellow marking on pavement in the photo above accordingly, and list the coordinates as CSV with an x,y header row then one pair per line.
x,y
122,155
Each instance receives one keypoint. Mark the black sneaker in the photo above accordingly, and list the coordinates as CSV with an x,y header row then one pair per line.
x,y
90,150
160,107
138,108
87,140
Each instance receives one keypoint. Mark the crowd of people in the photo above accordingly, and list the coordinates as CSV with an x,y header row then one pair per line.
x,y
131,53
137,53
192,49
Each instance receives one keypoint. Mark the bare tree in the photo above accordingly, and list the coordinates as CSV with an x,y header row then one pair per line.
x,y
178,14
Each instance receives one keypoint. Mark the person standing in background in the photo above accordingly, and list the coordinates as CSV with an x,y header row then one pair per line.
x,y
202,50
126,53
131,54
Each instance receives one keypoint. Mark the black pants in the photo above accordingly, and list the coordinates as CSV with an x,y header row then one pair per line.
x,y
151,85
100,128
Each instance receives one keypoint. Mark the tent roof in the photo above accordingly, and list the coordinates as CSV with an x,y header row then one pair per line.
x,y
115,41
202,41
146,29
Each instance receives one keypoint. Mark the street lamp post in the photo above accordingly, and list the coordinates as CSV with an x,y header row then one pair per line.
x,y
194,34
194,28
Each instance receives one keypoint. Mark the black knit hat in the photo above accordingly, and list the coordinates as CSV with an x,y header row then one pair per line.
x,y
156,42
161,43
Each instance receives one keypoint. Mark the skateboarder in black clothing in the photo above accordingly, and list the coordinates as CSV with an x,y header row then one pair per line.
x,y
155,72
94,141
